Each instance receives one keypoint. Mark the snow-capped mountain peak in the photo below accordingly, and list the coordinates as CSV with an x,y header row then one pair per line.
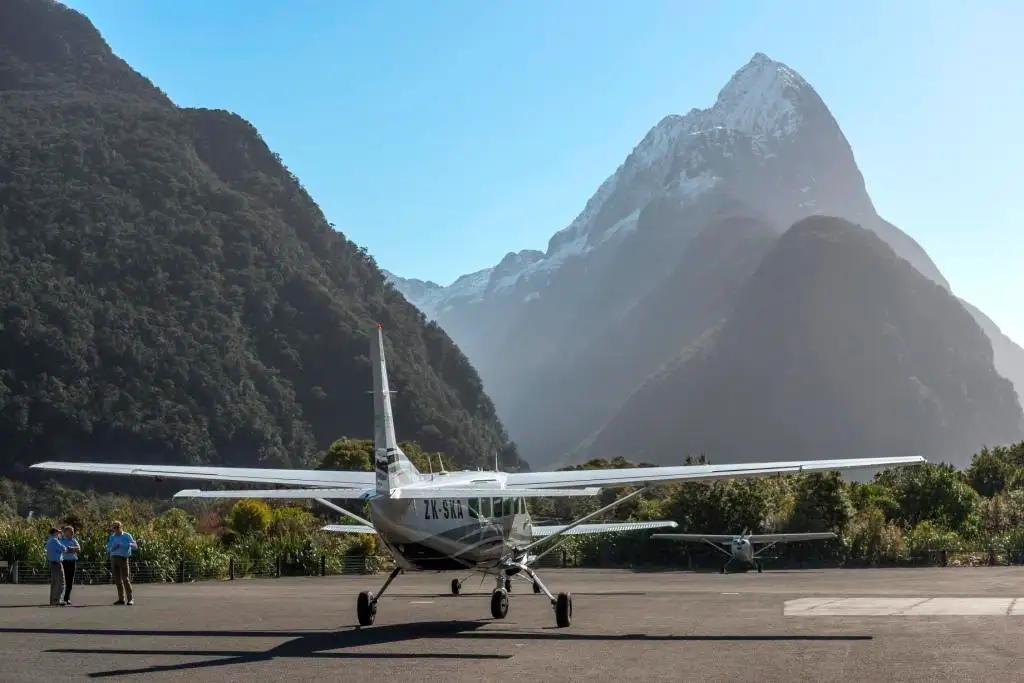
x,y
760,104
761,99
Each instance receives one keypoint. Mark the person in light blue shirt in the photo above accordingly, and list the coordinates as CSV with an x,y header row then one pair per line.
x,y
71,549
55,556
120,545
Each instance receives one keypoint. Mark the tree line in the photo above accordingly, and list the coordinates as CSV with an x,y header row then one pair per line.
x,y
899,514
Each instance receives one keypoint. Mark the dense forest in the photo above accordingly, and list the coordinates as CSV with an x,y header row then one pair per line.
x,y
900,516
170,293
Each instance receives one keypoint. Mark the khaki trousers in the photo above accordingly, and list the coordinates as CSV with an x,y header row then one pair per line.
x,y
122,578
56,583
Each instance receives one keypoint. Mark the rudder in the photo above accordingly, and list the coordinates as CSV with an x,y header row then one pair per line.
x,y
392,467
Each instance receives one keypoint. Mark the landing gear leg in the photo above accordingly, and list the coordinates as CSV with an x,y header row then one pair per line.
x,y
366,603
758,565
561,604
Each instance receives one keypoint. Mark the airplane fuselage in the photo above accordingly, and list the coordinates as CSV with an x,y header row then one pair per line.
x,y
446,534
742,551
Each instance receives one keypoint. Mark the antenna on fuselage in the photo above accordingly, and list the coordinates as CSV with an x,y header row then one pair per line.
x,y
430,464
497,468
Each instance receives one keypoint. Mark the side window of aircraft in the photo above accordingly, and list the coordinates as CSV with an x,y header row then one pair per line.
x,y
474,508
485,507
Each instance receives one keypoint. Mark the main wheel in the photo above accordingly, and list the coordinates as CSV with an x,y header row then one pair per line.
x,y
499,604
758,567
366,608
536,587
563,610
508,584
456,586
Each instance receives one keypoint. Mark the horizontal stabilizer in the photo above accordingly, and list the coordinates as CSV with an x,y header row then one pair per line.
x,y
611,528
420,493
333,478
348,529
288,494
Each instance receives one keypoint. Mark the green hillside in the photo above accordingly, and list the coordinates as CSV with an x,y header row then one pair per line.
x,y
170,293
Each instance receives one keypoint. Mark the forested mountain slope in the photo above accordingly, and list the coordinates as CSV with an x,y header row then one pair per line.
x,y
837,348
170,293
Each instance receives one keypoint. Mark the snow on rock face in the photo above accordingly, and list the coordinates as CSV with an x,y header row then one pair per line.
x,y
760,99
760,103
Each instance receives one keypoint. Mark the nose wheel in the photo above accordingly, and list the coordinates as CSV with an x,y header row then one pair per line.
x,y
456,586
499,603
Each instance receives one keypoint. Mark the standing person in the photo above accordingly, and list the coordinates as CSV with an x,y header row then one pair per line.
x,y
120,545
71,549
55,556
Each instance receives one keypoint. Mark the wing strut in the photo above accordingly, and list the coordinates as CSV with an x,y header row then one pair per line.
x,y
338,508
561,532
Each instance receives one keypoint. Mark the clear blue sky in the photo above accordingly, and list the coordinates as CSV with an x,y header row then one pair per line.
x,y
442,134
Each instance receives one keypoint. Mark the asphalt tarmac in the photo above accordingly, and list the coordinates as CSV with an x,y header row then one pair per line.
x,y
872,625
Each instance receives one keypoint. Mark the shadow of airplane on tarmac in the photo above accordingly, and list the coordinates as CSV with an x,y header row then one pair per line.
x,y
322,644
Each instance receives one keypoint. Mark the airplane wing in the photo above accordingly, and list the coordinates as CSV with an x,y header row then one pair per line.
x,y
290,494
489,491
348,529
791,538
695,538
548,530
660,475
323,478
400,493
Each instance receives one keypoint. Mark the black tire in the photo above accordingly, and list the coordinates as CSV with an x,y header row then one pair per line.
x,y
563,610
366,608
456,586
536,587
499,604
758,567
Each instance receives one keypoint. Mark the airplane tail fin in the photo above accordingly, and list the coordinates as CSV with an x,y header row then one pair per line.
x,y
393,468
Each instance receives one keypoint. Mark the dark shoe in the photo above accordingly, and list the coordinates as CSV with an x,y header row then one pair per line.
x,y
119,602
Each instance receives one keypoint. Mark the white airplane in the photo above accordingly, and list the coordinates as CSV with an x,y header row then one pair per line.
x,y
740,549
473,521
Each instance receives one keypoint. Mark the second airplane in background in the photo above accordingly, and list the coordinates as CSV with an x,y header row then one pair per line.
x,y
740,549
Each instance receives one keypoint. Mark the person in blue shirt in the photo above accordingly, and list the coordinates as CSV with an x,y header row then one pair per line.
x,y
120,545
55,557
71,550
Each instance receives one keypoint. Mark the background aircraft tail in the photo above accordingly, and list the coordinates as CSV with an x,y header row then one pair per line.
x,y
393,469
